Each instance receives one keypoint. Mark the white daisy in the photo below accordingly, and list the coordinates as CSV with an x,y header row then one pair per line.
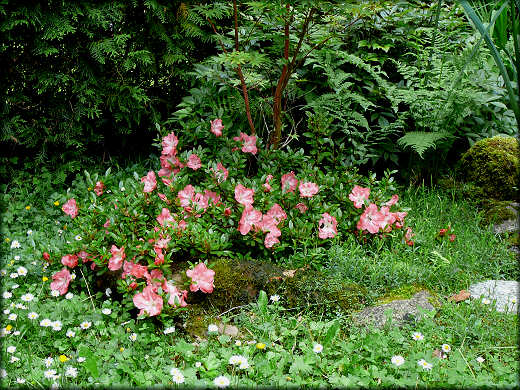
x,y
198,364
72,276
17,257
106,311
81,359
480,359
212,328
11,349
235,359
178,378
133,337
274,298
174,371
33,315
7,294
318,348
49,374
14,275
397,360
48,361
15,286
15,244
20,381
78,238
46,322
3,373
446,348
417,336
16,333
21,271
56,325
3,272
70,333
29,232
238,343
221,381
12,317
7,311
424,364
85,324
71,371
55,293
20,306
27,297
69,295
108,292
486,301
14,359
169,330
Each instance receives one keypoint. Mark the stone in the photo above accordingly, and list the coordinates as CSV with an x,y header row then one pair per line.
x,y
403,311
503,294
229,330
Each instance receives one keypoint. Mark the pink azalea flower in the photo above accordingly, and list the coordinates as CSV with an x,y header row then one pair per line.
x,y
186,195
327,226
194,162
359,195
250,216
165,217
393,200
200,201
268,224
216,127
277,213
249,143
301,207
163,198
308,189
169,143
134,269
69,260
61,280
150,182
116,261
213,196
222,173
70,208
159,258
267,186
163,242
408,236
270,240
148,301
387,219
201,278
289,182
98,189
177,297
371,219
244,195
83,256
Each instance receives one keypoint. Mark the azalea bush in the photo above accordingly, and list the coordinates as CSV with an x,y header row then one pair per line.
x,y
205,201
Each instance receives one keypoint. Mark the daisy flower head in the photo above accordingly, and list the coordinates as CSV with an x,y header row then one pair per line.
x,y
14,359
318,348
15,244
78,238
21,381
12,317
174,371
11,349
3,373
108,292
235,359
221,381
133,337
7,294
417,336
15,286
178,378
486,301
49,374
48,362
169,330
7,311
45,322
55,293
29,232
397,360
21,271
198,364
70,333
71,372
20,306
212,328
69,295
446,348
275,298
56,325
16,333
27,297
480,359
13,275
33,315
424,364
17,257
81,359
238,343
106,311
85,324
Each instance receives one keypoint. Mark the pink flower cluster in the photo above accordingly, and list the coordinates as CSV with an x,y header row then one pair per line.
x,y
248,143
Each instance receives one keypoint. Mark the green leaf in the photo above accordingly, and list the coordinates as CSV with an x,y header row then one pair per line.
x,y
262,301
331,332
90,362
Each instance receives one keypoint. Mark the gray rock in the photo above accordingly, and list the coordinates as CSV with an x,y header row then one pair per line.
x,y
230,330
509,225
403,311
503,294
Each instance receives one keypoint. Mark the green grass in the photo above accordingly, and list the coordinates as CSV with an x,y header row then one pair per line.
x,y
351,356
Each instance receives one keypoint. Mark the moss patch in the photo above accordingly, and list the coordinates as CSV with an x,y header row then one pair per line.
x,y
493,165
496,212
399,293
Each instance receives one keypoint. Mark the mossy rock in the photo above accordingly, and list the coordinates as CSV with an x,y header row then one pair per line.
x,y
496,212
493,165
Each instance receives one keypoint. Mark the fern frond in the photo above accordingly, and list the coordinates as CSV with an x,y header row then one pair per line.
x,y
420,141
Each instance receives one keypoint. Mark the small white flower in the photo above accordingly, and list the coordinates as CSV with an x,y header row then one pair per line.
x,y
424,364
106,311
512,300
69,295
198,364
3,272
274,298
71,371
70,333
486,301
7,311
20,306
81,359
238,343
46,322
27,297
318,348
446,348
33,262
78,237
20,381
16,333
17,257
212,328
174,370
56,325
48,362
123,189
49,374
235,359
178,378
15,244
33,315
11,349
15,286
480,359
60,232
85,324
14,275
108,292
72,276
221,381
22,271
417,336
133,337
12,317
169,330
397,360
7,294
14,359
29,232
55,293
3,373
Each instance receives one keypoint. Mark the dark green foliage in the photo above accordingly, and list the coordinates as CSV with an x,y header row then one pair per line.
x,y
493,165
89,78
